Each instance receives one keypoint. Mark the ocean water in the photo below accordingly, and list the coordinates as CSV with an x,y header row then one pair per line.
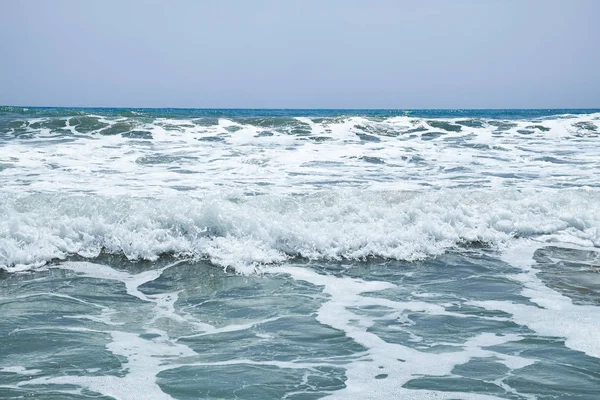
x,y
299,254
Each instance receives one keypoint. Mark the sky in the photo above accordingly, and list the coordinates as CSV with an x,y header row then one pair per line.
x,y
301,54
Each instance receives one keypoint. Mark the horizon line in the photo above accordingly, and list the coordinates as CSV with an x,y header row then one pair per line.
x,y
301,108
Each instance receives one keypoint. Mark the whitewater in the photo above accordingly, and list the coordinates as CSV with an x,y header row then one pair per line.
x,y
447,254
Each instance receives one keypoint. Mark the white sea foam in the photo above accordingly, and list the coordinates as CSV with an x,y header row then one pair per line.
x,y
244,232
555,314
398,364
300,155
20,370
380,372
144,358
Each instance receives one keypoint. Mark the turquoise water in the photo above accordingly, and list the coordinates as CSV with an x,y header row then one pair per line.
x,y
300,254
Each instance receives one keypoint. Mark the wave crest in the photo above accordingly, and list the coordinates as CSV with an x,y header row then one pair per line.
x,y
243,233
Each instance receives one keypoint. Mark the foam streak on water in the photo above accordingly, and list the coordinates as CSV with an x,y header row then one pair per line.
x,y
383,357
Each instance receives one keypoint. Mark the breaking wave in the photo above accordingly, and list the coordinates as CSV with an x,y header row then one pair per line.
x,y
245,232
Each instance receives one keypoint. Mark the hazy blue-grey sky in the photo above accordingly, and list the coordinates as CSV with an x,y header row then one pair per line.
x,y
304,54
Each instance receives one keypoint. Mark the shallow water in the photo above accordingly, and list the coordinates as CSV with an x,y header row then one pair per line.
x,y
461,326
184,254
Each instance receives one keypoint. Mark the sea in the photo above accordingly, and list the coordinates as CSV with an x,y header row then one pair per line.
x,y
299,254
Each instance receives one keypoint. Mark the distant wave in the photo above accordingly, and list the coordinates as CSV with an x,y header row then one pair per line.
x,y
144,153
